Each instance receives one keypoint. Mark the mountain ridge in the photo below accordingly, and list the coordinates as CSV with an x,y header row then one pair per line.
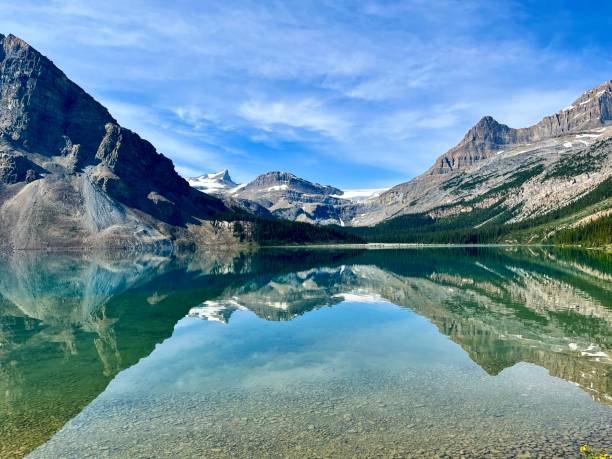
x,y
591,110
495,175
72,178
285,195
498,176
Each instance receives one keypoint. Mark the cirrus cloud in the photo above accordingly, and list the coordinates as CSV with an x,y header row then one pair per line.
x,y
353,94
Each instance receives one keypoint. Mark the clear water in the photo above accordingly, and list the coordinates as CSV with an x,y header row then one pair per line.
x,y
481,352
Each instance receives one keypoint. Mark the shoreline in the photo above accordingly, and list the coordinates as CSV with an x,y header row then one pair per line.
x,y
240,247
398,245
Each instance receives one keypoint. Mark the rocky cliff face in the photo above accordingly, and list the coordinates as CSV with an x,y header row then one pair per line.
x,y
484,139
286,196
44,112
590,111
512,174
70,176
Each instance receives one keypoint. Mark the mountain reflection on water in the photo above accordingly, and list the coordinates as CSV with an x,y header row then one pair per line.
x,y
500,307
69,324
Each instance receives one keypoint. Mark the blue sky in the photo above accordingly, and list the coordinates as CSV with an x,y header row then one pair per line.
x,y
354,94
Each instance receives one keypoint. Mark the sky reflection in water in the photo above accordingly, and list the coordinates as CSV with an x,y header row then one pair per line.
x,y
308,353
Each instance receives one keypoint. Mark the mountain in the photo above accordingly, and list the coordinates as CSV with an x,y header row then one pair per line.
x,y
553,176
215,183
72,177
548,177
286,196
590,111
290,197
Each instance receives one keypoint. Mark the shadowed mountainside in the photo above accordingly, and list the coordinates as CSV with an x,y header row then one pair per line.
x,y
70,176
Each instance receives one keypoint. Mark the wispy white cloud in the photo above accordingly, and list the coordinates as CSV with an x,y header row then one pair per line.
x,y
163,135
306,114
375,90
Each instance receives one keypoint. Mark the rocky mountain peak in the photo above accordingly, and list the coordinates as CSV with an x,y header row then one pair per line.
x,y
487,121
287,196
213,183
485,135
74,163
481,140
278,176
282,181
10,41
42,111
225,175
221,176
591,110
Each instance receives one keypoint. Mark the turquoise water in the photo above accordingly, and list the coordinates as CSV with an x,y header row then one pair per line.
x,y
408,353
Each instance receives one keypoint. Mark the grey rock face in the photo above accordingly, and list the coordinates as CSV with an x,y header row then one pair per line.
x,y
147,179
56,142
43,111
17,168
485,138
284,179
591,110
286,196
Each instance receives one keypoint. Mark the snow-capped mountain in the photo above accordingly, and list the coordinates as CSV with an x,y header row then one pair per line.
x,y
523,173
287,196
215,183
502,173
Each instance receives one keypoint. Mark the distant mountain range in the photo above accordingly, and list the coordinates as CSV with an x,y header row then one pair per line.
x,y
72,177
287,196
553,176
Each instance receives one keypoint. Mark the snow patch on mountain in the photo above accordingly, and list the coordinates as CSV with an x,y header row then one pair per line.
x,y
215,183
359,195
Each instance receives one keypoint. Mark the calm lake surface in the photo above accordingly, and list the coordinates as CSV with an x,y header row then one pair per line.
x,y
457,352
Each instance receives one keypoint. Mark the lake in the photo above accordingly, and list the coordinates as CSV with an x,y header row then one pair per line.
x,y
421,352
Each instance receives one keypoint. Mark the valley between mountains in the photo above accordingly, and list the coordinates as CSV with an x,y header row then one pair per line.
x,y
548,182
71,178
